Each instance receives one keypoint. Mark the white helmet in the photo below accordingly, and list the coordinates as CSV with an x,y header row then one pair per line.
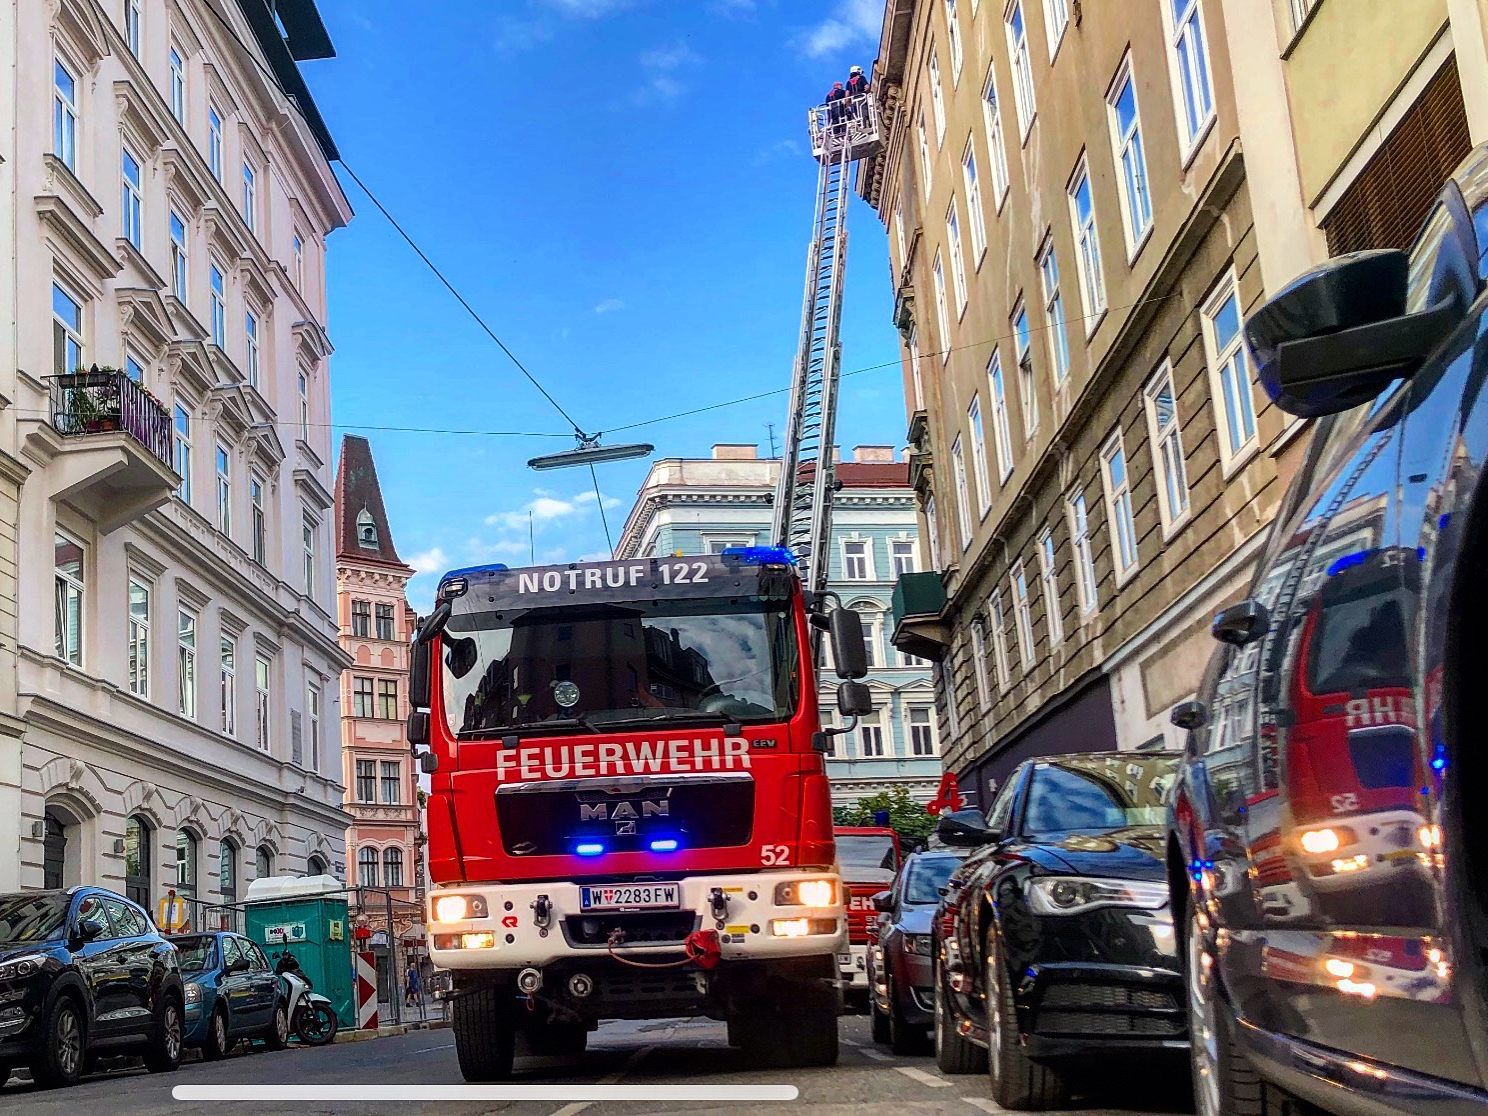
x,y
856,70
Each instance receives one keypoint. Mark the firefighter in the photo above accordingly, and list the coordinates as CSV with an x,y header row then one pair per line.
x,y
857,84
836,101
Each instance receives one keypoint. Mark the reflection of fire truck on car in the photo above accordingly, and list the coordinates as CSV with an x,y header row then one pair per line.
x,y
1363,965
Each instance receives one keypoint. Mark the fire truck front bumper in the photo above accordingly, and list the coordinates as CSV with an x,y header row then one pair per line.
x,y
757,916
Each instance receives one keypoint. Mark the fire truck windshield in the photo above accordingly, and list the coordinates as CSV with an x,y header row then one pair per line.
x,y
867,858
596,667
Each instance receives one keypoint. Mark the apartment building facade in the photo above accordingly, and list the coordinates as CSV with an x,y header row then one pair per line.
x,y
1073,248
703,505
382,791
165,419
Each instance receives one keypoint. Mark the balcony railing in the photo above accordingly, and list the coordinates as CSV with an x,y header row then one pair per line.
x,y
105,400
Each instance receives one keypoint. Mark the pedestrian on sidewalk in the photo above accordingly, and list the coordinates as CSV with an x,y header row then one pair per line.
x,y
412,989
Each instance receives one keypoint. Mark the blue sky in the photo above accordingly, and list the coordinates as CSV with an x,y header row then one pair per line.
x,y
622,188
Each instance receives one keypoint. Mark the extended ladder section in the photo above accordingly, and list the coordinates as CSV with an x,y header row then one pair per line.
x,y
840,133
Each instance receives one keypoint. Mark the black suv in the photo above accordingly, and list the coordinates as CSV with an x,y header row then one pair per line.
x,y
84,972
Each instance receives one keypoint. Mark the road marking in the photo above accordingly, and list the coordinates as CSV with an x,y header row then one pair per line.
x,y
876,1055
446,1046
571,1109
609,1079
916,1074
984,1104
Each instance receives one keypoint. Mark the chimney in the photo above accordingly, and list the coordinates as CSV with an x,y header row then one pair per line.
x,y
735,451
836,455
873,454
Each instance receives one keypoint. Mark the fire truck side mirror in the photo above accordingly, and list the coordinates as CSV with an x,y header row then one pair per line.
x,y
848,652
418,676
428,763
854,699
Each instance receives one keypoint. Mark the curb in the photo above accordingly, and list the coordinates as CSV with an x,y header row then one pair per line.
x,y
391,1030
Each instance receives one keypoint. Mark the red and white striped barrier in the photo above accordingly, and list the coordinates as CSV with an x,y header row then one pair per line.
x,y
366,990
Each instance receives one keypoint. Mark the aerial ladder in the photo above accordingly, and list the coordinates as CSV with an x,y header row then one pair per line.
x,y
842,132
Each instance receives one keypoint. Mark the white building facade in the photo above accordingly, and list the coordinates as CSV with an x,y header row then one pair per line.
x,y
172,716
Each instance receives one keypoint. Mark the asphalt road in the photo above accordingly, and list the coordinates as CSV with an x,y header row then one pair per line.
x,y
866,1080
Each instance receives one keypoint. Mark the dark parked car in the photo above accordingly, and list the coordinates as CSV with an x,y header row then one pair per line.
x,y
84,972
232,993
1330,888
1054,946
900,976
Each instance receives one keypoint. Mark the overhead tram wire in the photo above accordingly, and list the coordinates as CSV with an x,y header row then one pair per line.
x,y
603,517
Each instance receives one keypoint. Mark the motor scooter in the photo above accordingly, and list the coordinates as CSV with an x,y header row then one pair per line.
x,y
311,1016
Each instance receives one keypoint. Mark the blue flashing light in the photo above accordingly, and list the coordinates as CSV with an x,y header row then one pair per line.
x,y
589,848
468,571
760,555
1420,554
1439,763
665,844
1443,520
1348,561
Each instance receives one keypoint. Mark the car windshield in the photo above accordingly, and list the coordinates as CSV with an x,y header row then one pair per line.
x,y
605,665
32,917
866,857
198,953
1083,794
927,875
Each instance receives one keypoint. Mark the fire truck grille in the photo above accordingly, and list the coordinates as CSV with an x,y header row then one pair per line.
x,y
639,928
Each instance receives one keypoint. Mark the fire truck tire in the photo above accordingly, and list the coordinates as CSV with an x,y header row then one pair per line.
x,y
485,1034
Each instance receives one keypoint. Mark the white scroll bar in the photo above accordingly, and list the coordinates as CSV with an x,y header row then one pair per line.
x,y
382,1091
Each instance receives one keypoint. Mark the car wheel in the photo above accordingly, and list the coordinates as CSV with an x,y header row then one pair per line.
x,y
164,1053
216,1044
1225,1082
1018,1082
953,1053
61,1058
881,1033
277,1036
5,1068
903,1039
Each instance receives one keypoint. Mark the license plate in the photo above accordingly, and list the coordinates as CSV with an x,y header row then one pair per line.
x,y
630,897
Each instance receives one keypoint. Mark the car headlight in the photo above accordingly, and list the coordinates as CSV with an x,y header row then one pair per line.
x,y
917,943
1063,895
806,893
458,908
21,967
193,993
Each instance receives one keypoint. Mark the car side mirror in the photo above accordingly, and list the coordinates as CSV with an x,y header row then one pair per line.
x,y
1339,334
965,829
88,929
883,902
1241,623
854,699
1189,715
848,653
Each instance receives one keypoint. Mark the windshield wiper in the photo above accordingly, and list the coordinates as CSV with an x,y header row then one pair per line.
x,y
535,728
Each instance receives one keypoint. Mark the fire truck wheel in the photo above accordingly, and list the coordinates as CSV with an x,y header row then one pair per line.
x,y
556,1039
485,1034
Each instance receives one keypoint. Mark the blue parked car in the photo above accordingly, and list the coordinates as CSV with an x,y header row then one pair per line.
x,y
232,993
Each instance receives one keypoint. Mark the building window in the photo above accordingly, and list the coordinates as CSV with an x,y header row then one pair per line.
x,y
1056,20
177,84
64,114
385,622
132,27
963,503
183,451
1087,247
1022,614
718,544
942,312
250,196
979,665
250,339
1001,430
1229,374
262,695
932,531
1119,507
366,780
139,638
67,331
979,457
924,144
67,587
186,864
316,866
996,147
953,38
1131,159
1027,389
214,142
958,260
366,530
1300,10
361,696
186,663
1054,310
134,368
260,518
227,871
902,258
131,200
902,557
974,202
937,99
312,714
391,783
302,390
367,867
1191,69
856,561
999,641
139,857
870,635
308,529
297,251
361,619
179,256
1049,584
263,862
387,699
921,733
228,684
1080,546
224,491
1167,448
218,295
871,736
1017,36
392,867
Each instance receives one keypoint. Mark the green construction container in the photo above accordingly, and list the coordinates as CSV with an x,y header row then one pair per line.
x,y
307,915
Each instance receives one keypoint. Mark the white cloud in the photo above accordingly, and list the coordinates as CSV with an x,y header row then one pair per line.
x,y
670,56
588,497
780,149
595,556
587,9
609,306
854,24
432,560
546,508
660,66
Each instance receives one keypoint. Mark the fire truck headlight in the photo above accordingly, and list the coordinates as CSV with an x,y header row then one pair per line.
x,y
800,927
806,893
483,940
1324,840
457,908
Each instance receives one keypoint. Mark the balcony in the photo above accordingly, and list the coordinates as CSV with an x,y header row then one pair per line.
x,y
110,446
920,626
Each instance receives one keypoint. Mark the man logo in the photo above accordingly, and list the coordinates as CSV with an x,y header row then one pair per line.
x,y
624,814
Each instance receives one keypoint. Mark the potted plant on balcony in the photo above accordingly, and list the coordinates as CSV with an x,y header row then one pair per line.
x,y
95,399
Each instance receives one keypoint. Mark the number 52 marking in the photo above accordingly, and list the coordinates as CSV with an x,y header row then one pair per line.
x,y
774,854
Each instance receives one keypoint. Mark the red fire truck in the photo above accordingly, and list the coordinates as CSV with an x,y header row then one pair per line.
x,y
869,857
629,814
